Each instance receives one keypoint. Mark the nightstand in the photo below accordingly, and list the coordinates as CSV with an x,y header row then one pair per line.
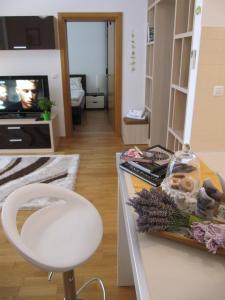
x,y
95,100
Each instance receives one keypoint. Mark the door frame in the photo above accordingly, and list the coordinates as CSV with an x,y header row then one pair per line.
x,y
63,18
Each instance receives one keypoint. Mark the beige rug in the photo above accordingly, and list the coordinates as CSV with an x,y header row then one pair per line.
x,y
52,169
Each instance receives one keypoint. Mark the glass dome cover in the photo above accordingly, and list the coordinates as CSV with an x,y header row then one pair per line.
x,y
183,174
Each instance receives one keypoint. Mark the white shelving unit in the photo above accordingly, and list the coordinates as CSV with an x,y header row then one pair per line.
x,y
158,67
171,70
186,41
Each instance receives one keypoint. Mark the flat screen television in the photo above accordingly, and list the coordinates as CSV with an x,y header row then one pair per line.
x,y
19,95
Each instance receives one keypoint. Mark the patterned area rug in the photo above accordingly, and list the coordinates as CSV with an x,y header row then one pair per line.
x,y
53,169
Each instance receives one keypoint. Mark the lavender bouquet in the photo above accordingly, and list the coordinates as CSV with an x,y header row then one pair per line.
x,y
157,212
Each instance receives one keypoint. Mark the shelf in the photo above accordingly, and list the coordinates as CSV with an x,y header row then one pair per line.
x,y
152,3
151,54
148,109
176,61
149,61
170,141
186,51
151,17
148,92
183,35
173,143
178,134
150,43
181,62
178,111
172,95
191,15
149,77
177,145
149,114
167,69
179,88
147,72
151,25
182,43
182,16
161,69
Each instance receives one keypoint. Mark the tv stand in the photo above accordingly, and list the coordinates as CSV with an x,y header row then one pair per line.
x,y
20,116
28,135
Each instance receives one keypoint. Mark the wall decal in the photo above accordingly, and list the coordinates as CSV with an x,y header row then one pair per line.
x,y
133,52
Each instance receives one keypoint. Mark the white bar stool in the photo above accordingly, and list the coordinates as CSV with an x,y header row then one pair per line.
x,y
56,238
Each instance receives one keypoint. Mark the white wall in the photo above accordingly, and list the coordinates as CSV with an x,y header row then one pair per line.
x,y
48,61
88,52
213,13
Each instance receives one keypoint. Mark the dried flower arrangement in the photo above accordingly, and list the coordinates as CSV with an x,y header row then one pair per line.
x,y
157,211
212,235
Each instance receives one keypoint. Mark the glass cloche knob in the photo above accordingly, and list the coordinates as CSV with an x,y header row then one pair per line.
x,y
182,180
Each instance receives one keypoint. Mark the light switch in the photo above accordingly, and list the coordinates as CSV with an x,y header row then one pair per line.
x,y
54,76
218,90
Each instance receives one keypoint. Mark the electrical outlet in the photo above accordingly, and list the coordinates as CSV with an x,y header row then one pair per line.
x,y
218,90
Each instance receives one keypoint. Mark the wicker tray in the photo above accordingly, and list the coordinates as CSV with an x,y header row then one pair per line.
x,y
178,237
206,172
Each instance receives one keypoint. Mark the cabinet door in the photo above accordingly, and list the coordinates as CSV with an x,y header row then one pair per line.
x,y
25,136
27,33
40,135
95,102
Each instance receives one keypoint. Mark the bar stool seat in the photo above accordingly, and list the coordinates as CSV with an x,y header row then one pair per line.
x,y
58,237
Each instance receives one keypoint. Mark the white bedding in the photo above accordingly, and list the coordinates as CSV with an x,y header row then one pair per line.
x,y
76,97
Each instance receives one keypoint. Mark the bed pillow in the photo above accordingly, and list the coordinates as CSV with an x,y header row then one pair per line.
x,y
75,83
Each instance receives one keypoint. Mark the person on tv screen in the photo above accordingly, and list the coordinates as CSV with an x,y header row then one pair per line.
x,y
27,92
3,92
3,96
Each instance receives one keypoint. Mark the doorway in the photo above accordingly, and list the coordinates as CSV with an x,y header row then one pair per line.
x,y
88,62
63,18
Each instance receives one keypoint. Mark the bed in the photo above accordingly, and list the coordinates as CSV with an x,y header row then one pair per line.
x,y
77,95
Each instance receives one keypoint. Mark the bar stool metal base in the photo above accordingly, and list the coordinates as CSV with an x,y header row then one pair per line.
x,y
70,286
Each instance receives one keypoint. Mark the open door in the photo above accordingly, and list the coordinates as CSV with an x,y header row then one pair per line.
x,y
111,72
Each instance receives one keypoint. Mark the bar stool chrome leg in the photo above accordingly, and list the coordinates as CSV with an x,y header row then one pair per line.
x,y
69,285
50,274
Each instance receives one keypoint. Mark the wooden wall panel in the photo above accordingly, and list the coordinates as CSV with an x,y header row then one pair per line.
x,y
208,128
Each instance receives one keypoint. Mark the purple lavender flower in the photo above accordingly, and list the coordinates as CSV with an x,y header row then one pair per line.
x,y
212,235
157,212
198,232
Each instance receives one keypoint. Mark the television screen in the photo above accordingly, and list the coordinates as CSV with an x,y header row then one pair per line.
x,y
20,94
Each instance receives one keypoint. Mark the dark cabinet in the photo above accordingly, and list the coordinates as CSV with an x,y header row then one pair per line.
x,y
31,136
27,32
